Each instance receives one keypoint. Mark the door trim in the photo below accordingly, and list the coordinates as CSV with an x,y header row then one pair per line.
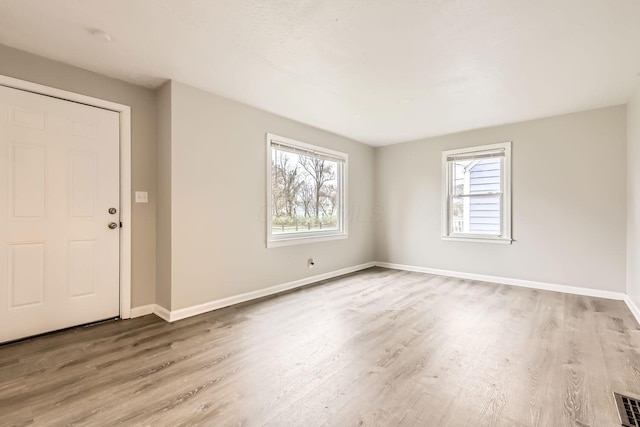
x,y
125,172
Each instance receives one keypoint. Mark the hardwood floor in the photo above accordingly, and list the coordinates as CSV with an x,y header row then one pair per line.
x,y
375,348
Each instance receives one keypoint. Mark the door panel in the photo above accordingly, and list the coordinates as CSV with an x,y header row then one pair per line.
x,y
83,182
27,181
59,175
26,275
82,268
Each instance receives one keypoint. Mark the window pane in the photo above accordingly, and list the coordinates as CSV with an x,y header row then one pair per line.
x,y
458,175
305,193
476,176
476,215
457,215
484,176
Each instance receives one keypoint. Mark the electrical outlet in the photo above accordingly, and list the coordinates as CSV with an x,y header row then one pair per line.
x,y
142,197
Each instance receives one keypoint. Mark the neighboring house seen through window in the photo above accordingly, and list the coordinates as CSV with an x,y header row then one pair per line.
x,y
306,192
477,193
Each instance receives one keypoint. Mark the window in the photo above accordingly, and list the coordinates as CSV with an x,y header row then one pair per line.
x,y
476,204
306,192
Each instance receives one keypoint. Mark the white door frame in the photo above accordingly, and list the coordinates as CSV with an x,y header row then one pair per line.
x,y
125,172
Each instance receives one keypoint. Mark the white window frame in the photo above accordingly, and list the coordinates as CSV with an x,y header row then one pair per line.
x,y
505,205
276,240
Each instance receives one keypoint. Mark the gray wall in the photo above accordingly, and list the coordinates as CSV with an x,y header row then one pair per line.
x,y
568,194
218,201
25,66
633,198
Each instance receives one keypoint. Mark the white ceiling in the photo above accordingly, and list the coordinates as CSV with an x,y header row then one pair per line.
x,y
377,71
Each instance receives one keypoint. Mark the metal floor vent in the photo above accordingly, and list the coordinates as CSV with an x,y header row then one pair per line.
x,y
628,410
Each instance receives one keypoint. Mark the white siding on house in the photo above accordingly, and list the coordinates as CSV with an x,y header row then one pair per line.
x,y
484,212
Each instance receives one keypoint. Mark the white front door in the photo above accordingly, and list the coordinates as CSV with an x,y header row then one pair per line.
x,y
59,178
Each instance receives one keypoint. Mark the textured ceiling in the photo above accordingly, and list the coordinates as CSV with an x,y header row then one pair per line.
x,y
377,71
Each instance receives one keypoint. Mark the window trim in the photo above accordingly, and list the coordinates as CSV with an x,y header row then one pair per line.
x,y
505,211
277,240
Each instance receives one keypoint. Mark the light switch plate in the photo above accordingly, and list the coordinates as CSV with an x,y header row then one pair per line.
x,y
142,197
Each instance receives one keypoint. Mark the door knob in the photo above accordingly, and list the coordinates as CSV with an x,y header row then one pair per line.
x,y
112,225
112,211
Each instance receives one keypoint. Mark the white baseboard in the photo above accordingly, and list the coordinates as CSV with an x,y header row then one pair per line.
x,y
142,310
172,316
633,308
508,281
183,313
162,313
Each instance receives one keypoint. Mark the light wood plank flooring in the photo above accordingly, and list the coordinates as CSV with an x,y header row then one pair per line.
x,y
375,348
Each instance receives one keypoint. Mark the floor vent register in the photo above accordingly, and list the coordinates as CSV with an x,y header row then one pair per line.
x,y
628,410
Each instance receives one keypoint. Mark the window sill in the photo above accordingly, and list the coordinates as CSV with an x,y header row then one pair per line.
x,y
478,240
304,240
